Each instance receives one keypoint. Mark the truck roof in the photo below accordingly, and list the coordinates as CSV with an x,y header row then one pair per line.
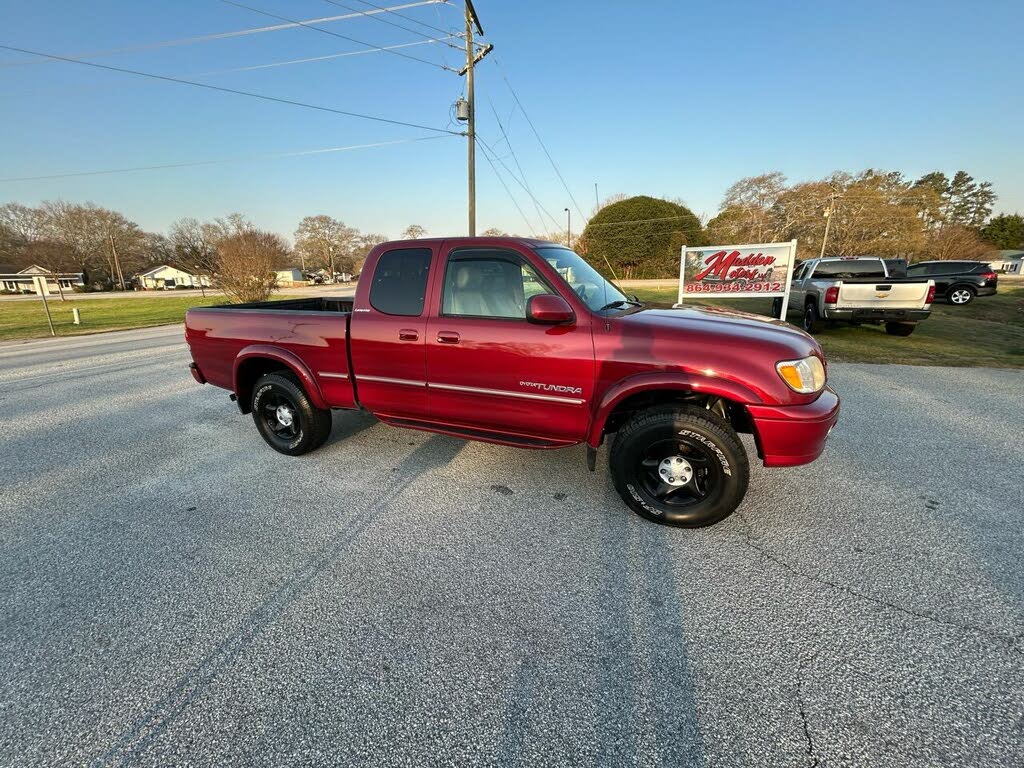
x,y
499,240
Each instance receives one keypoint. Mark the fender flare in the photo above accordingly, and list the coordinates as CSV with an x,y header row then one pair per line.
x,y
290,360
646,382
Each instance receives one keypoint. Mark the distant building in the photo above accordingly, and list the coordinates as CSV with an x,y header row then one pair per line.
x,y
289,278
24,281
1008,262
165,277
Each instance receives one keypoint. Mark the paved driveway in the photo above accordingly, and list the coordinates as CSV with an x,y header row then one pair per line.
x,y
172,592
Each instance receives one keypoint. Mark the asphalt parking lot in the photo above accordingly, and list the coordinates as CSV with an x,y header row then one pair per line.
x,y
173,592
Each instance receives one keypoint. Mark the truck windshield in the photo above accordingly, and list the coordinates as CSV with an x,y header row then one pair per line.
x,y
586,281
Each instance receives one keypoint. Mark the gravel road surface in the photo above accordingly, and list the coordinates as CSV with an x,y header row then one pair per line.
x,y
173,592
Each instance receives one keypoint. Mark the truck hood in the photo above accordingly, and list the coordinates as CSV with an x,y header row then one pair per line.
x,y
715,321
735,346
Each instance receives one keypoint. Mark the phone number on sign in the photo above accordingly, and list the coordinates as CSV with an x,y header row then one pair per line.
x,y
733,288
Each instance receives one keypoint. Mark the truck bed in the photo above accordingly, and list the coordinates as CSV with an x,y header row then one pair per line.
x,y
308,334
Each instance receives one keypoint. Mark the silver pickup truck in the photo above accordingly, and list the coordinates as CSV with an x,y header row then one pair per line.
x,y
857,290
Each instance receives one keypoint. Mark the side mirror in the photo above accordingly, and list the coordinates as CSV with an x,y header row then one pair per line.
x,y
548,309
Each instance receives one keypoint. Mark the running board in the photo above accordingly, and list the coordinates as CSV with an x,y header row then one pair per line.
x,y
470,433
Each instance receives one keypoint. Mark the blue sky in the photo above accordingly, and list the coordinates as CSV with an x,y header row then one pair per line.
x,y
664,98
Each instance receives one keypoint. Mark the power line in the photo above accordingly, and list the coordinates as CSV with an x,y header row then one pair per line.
x,y
335,34
508,191
195,163
540,141
515,159
518,181
312,58
394,12
636,221
225,35
222,89
373,15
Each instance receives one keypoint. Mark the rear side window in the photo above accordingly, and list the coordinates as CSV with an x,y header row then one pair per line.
x,y
871,268
917,269
400,282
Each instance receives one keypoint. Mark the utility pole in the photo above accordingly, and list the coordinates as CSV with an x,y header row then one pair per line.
x,y
472,120
568,227
829,210
472,58
597,202
117,261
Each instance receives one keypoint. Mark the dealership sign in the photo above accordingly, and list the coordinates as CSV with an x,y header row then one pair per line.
x,y
763,269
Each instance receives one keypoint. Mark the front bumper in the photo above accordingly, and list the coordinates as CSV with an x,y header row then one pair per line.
x,y
878,315
791,435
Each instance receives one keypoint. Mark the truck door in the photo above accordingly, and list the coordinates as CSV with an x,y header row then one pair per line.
x,y
388,335
490,369
798,288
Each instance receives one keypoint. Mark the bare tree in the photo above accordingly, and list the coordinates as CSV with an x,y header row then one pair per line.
x,y
246,264
414,232
194,245
955,241
326,242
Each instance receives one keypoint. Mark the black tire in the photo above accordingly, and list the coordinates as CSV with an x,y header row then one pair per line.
x,y
960,295
715,470
307,427
777,308
900,329
812,322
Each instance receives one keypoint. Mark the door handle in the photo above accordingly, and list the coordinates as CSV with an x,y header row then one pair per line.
x,y
408,334
447,337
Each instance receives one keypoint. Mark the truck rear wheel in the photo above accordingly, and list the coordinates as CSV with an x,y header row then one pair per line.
x,y
900,329
286,418
812,322
679,465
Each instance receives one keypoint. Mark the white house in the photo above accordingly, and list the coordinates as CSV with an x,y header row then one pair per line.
x,y
1008,262
23,281
288,278
166,277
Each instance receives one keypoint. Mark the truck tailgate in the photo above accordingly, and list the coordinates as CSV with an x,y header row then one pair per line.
x,y
883,295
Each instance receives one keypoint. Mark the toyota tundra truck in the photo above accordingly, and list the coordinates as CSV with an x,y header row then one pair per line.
x,y
522,343
857,290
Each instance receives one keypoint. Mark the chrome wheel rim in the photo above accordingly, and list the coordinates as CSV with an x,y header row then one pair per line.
x,y
961,297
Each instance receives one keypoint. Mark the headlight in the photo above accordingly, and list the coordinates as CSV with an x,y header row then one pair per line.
x,y
805,376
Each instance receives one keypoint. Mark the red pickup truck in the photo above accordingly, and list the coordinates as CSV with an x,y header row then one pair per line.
x,y
521,342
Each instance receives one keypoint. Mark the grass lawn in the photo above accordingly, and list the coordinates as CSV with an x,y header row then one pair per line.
x,y
989,331
27,319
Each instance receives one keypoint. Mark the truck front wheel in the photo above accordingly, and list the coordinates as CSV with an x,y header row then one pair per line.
x,y
679,465
286,418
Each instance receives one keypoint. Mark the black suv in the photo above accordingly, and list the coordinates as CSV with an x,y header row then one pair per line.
x,y
958,282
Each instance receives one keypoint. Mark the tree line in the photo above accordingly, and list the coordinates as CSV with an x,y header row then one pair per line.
x,y
107,248
867,213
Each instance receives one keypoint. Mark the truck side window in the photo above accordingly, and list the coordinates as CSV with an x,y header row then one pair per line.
x,y
489,286
400,282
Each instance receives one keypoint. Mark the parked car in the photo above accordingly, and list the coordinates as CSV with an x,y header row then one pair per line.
x,y
521,342
857,290
958,282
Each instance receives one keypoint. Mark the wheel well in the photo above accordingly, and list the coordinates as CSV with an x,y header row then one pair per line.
x,y
249,372
734,413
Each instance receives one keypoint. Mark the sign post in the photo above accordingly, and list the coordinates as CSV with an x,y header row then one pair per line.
x,y
40,283
737,271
